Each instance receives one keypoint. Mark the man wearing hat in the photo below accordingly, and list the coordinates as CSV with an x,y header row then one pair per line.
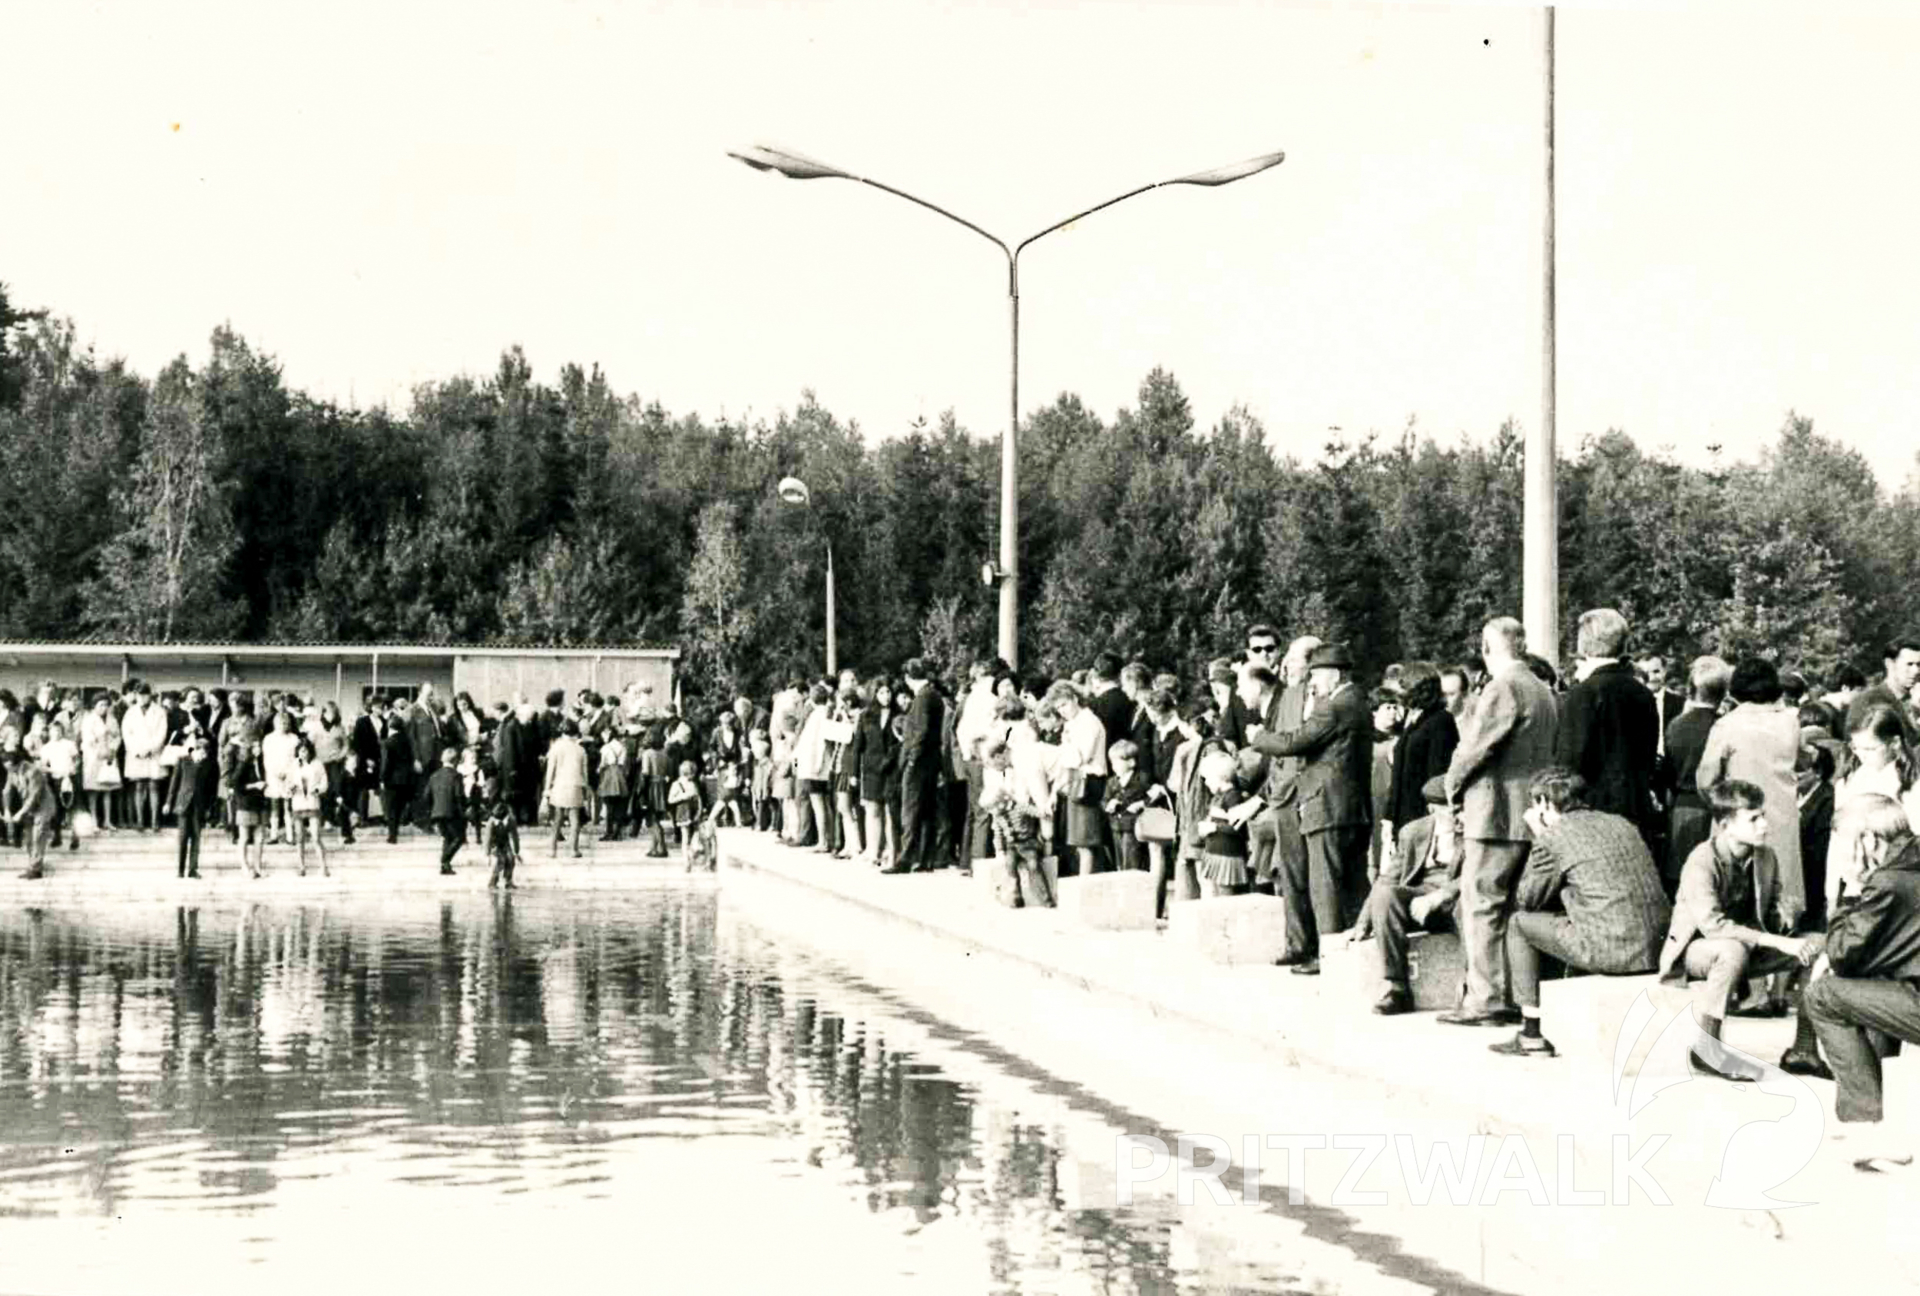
x,y
1333,796
1418,891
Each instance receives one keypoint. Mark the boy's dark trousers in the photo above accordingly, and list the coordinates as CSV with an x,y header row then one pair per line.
x,y
616,816
502,866
453,835
190,841
393,803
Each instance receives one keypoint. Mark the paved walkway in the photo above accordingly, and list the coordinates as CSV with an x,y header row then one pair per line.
x,y
143,866
1311,1045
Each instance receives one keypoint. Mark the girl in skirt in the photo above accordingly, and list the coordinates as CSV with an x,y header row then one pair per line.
x,y
1223,851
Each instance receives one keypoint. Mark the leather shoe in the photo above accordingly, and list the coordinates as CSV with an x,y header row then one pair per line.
x,y
1393,1003
1762,1008
1311,967
1734,1069
1795,1062
1519,1047
1294,960
1460,1017
895,868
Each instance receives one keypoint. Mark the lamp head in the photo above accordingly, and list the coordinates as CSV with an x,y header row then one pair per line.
x,y
1237,171
794,491
794,166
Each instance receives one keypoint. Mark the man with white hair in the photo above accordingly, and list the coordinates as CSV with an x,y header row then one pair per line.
x,y
1507,738
1609,731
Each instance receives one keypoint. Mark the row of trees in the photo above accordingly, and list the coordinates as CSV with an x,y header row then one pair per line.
x,y
212,502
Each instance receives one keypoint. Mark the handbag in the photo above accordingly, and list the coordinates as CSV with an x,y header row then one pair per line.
x,y
1156,825
1086,788
106,778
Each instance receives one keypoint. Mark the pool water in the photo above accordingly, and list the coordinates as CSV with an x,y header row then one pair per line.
x,y
621,1092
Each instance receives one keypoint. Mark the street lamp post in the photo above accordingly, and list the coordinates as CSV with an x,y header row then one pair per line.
x,y
794,491
1006,574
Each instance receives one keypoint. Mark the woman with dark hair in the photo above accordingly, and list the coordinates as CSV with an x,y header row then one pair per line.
x,y
872,761
1758,742
1425,747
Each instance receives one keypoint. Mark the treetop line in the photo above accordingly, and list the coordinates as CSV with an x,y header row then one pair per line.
x,y
211,502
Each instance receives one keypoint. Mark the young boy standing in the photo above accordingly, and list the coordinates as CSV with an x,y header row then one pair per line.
x,y
446,808
192,798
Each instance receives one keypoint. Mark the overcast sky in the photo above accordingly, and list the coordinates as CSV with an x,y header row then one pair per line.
x,y
384,194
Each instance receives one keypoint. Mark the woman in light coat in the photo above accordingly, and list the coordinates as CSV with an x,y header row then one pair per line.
x,y
566,788
813,765
144,731
100,759
1758,742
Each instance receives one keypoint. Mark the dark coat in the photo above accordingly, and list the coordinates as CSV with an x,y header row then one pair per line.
x,y
1115,710
920,740
365,746
1610,736
445,798
512,756
1686,743
1336,740
195,786
873,757
1421,753
1876,934
396,758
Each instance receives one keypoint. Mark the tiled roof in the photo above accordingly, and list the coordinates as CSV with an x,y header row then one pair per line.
x,y
311,646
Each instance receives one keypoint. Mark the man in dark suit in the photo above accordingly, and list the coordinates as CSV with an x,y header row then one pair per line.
x,y
427,733
1610,725
919,771
363,769
1903,670
1419,892
1508,737
1688,822
1107,700
1283,713
1335,741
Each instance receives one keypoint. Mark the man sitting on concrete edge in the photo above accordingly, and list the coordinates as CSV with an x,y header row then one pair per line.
x,y
1871,1000
1590,899
1732,921
1418,891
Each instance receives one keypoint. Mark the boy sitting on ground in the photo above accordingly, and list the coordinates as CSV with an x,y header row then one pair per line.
x,y
1731,921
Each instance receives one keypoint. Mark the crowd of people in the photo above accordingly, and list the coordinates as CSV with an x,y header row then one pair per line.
x,y
273,767
1740,831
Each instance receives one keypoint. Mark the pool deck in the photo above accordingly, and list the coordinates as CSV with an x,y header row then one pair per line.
x,y
1102,1008
1163,1041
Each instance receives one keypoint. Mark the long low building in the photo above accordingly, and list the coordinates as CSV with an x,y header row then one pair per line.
x,y
348,673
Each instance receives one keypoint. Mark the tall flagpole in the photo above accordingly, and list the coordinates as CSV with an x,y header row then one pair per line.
x,y
1541,550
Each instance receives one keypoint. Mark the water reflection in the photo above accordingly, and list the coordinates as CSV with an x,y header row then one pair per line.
x,y
217,1059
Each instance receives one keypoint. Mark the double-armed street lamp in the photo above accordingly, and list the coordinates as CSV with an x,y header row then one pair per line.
x,y
1005,574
